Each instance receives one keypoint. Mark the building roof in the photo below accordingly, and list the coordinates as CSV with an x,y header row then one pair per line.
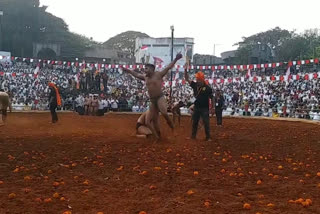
x,y
228,54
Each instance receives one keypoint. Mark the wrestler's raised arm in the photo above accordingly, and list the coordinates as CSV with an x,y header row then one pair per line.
x,y
133,73
170,66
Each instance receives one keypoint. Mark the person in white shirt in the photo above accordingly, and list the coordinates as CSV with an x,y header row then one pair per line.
x,y
100,111
114,105
105,105
135,108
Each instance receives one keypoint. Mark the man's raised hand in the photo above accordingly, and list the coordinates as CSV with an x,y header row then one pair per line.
x,y
178,56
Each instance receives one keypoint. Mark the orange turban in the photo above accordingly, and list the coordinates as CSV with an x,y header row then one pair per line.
x,y
57,93
200,76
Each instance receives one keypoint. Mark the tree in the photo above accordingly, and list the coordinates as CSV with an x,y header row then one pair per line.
x,y
25,23
124,41
300,46
19,25
272,38
55,30
285,45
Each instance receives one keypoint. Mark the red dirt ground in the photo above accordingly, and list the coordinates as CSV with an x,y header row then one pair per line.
x,y
98,166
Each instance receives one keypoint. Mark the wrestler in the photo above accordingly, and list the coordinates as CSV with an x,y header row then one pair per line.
x,y
176,111
142,130
87,103
154,86
4,103
94,105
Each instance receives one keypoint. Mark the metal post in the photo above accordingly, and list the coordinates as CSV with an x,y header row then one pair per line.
x,y
1,37
171,78
214,54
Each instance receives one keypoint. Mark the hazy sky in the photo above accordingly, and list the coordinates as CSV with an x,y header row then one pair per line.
x,y
209,22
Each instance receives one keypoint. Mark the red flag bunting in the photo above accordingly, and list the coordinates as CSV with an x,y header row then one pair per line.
x,y
281,78
315,75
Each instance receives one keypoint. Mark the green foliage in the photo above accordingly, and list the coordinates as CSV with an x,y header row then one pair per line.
x,y
124,41
285,45
25,23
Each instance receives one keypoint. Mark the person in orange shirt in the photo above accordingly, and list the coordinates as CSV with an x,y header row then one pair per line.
x,y
54,101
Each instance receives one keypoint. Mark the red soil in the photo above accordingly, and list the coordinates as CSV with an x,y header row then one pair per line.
x,y
98,165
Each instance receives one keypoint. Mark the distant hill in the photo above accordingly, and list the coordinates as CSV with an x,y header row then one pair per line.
x,y
124,41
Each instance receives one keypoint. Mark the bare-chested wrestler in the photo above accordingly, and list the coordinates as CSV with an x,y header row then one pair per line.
x,y
94,105
142,129
158,102
4,103
176,111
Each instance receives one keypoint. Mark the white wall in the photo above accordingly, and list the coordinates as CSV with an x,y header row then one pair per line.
x,y
163,52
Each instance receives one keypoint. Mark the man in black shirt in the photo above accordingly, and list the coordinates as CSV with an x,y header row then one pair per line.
x,y
218,106
202,93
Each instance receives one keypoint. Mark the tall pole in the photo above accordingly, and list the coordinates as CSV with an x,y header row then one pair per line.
x,y
171,78
214,53
1,37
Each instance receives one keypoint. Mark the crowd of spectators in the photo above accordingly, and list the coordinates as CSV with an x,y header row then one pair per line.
x,y
116,91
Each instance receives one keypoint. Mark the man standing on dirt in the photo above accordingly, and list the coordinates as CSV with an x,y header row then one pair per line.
x,y
54,101
218,106
4,103
154,86
202,93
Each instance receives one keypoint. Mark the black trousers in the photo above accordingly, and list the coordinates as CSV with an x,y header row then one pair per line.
x,y
219,116
202,113
54,115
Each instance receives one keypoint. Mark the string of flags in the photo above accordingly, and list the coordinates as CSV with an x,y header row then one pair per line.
x,y
282,78
178,67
